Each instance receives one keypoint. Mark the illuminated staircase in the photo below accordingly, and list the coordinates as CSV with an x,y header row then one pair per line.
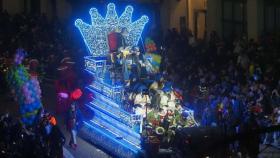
x,y
110,127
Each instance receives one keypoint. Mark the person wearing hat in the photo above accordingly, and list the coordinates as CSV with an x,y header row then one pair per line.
x,y
69,72
65,83
62,91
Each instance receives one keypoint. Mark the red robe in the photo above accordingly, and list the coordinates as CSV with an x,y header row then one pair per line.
x,y
66,83
115,41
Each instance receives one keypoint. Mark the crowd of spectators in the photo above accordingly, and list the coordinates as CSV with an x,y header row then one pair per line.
x,y
227,82
223,81
45,139
48,41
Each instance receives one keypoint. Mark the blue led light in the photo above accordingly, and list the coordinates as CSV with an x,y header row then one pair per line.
x,y
125,19
111,18
135,30
109,120
95,35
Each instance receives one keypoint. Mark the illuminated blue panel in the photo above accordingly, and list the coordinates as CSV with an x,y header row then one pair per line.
x,y
95,35
106,139
114,92
115,126
96,65
110,126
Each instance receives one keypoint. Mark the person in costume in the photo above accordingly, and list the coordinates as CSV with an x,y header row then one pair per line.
x,y
134,62
152,59
119,51
65,83
141,100
116,40
25,88
62,91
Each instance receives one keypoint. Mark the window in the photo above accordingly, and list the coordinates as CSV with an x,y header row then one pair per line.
x,y
183,22
278,18
234,19
271,16
1,5
35,6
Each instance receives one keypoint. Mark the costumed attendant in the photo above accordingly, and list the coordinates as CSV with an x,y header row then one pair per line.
x,y
64,84
61,91
117,44
113,45
72,118
116,40
25,88
125,52
69,73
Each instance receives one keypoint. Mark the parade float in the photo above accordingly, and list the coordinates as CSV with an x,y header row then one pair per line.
x,y
133,107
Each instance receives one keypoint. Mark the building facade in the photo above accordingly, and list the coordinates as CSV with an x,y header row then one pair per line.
x,y
184,14
60,8
229,18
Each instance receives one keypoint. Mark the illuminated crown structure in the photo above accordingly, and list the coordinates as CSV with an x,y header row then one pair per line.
x,y
95,35
110,127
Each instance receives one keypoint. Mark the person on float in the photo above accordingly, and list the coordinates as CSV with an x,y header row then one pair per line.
x,y
116,40
125,55
136,62
155,91
142,100
117,44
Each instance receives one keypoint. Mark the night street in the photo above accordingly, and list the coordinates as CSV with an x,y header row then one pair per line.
x,y
84,150
139,78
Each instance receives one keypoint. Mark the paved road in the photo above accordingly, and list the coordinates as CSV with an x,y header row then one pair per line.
x,y
269,152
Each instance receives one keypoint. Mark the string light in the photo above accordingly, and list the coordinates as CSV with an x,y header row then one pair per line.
x,y
95,35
